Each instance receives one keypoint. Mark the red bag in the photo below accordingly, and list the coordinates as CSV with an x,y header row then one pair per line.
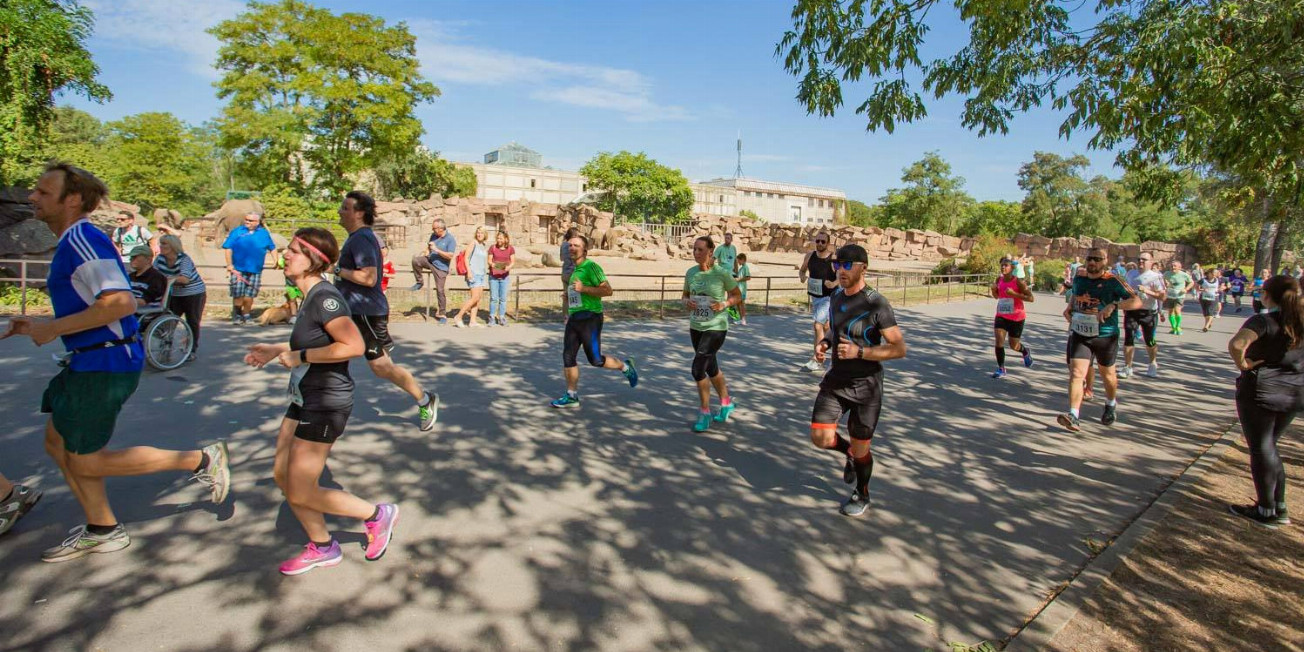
x,y
461,263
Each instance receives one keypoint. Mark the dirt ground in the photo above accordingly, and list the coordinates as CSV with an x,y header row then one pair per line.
x,y
1204,579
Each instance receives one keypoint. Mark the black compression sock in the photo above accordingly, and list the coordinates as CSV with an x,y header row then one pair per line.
x,y
864,469
1000,357
203,462
374,515
100,530
841,445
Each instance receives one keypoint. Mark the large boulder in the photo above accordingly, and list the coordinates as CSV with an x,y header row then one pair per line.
x,y
551,259
14,207
29,237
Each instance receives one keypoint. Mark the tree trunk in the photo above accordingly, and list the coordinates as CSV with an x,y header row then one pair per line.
x,y
1263,248
1279,245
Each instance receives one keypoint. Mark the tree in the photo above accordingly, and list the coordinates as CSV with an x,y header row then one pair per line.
x,y
858,213
933,198
1001,218
635,186
313,97
421,173
158,161
78,138
1059,201
42,54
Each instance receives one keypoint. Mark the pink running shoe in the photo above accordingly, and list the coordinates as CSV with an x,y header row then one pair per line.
x,y
381,531
311,558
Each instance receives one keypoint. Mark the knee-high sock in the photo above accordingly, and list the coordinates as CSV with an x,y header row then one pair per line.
x,y
841,445
1000,357
864,469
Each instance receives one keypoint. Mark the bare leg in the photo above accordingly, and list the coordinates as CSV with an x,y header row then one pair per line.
x,y
721,389
1077,374
703,395
1110,379
384,367
54,448
5,486
309,500
572,375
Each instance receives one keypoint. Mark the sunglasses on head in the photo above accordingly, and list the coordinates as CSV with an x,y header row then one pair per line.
x,y
843,265
1094,259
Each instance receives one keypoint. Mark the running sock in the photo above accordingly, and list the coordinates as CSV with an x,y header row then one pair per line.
x,y
100,530
1074,412
624,367
572,393
323,546
374,515
1178,319
426,399
707,411
1266,511
726,401
841,445
203,462
1000,357
1113,402
864,469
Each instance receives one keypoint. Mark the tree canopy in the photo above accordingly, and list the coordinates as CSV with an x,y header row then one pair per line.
x,y
42,54
635,186
421,173
932,199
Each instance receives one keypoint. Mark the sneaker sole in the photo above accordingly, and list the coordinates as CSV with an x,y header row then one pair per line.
x,y
856,514
564,405
388,540
1270,526
319,564
103,548
1068,425
223,473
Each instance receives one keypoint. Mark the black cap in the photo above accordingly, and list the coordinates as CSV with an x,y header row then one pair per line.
x,y
852,253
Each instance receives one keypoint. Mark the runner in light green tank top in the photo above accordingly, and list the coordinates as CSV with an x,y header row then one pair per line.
x,y
709,291
699,286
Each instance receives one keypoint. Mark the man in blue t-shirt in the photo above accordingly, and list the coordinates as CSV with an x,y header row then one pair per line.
x,y
358,278
94,314
439,252
1092,313
246,250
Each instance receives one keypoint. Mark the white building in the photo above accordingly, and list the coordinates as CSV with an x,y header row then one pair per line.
x,y
514,172
772,201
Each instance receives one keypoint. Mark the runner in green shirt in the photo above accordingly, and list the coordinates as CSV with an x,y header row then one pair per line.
x,y
1178,284
743,275
588,284
727,254
709,291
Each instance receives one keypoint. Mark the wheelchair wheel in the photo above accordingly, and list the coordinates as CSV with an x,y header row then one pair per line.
x,y
168,342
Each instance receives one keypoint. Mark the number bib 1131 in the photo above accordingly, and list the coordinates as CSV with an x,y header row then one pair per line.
x,y
702,307
1085,324
1005,306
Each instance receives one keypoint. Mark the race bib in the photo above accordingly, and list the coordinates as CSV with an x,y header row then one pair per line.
x,y
1085,324
574,299
815,286
1005,306
296,376
702,307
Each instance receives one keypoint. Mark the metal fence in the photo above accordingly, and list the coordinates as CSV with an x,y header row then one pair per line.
x,y
671,232
537,295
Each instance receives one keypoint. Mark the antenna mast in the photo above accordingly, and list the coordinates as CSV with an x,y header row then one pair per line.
x,y
738,171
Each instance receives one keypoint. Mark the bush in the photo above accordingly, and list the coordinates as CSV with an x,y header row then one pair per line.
x,y
1049,274
985,257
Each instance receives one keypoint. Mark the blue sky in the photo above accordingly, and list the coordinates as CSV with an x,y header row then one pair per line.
x,y
676,79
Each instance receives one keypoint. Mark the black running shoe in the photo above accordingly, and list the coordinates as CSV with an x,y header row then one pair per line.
x,y
1069,422
855,505
849,471
1110,415
1251,512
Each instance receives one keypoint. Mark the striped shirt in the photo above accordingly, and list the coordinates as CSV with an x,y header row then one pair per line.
x,y
184,267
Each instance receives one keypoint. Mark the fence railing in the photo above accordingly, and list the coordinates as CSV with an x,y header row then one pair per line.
x,y
671,232
539,295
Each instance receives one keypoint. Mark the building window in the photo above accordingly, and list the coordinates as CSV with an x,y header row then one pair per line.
x,y
531,183
584,187
721,199
810,201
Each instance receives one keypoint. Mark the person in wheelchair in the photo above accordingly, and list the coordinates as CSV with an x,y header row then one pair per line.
x,y
147,283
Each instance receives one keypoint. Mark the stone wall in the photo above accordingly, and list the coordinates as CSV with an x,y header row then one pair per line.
x,y
882,244
23,237
1041,247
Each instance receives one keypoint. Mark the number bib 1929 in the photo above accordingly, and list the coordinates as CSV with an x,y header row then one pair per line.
x,y
702,307
1005,306
815,286
296,376
573,298
1085,324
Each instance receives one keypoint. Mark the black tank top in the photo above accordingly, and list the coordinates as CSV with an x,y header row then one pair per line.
x,y
821,268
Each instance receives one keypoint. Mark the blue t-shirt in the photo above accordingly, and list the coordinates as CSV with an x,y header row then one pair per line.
x,y
86,265
249,248
447,244
362,250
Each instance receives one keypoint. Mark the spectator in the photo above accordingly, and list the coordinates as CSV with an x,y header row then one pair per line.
x,y
502,258
726,255
439,252
1119,269
147,283
744,275
189,294
387,272
128,235
246,253
293,295
567,268
477,267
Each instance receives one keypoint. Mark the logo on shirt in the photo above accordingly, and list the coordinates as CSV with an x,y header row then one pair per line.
x,y
330,305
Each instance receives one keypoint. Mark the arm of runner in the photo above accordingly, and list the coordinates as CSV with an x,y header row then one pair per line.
x,y
1239,344
365,277
111,306
1128,300
346,344
733,298
801,273
821,349
603,290
261,354
892,348
230,266
1025,292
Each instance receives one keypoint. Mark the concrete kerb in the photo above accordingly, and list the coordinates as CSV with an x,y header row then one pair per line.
x,y
1047,623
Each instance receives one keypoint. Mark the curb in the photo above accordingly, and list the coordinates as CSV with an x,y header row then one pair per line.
x,y
1038,632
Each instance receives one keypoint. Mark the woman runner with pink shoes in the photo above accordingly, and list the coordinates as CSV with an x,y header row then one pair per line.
x,y
321,398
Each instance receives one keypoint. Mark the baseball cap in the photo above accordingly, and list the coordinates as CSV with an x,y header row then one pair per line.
x,y
141,250
852,253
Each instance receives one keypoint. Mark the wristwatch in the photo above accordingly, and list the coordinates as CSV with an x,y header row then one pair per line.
x,y
303,356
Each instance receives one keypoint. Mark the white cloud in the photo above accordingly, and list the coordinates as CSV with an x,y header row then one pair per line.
x,y
165,25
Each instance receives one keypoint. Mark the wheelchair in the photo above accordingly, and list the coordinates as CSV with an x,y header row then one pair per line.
x,y
164,335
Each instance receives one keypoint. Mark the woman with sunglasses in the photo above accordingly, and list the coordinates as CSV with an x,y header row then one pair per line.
x,y
709,291
1010,293
323,341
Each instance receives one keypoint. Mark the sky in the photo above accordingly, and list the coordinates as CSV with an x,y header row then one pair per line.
x,y
677,79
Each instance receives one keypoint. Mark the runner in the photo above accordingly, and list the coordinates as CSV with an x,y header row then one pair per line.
x,y
1093,322
1236,283
743,275
726,255
1149,287
359,280
1256,290
709,291
818,275
95,316
1178,283
584,324
17,501
864,334
1010,293
323,341
1210,287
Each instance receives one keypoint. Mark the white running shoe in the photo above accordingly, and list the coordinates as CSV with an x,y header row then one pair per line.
x,y
1125,372
1153,370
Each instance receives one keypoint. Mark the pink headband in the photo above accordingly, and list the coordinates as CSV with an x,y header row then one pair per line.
x,y
304,243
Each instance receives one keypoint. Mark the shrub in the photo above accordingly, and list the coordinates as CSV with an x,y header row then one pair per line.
x,y
985,257
1049,274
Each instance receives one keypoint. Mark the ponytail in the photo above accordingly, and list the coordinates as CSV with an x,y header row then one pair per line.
x,y
1285,292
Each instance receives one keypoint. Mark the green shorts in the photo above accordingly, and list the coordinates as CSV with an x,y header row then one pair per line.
x,y
84,406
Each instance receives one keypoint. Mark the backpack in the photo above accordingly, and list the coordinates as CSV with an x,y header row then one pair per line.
x,y
461,263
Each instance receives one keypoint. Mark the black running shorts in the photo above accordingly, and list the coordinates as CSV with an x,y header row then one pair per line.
x,y
1142,319
375,335
1207,307
1104,349
1012,328
862,400
321,426
586,333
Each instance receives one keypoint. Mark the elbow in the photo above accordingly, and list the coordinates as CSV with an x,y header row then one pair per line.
x,y
354,349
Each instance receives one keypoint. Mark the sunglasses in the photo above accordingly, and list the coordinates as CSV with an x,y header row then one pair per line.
x,y
843,265
1094,259
821,242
